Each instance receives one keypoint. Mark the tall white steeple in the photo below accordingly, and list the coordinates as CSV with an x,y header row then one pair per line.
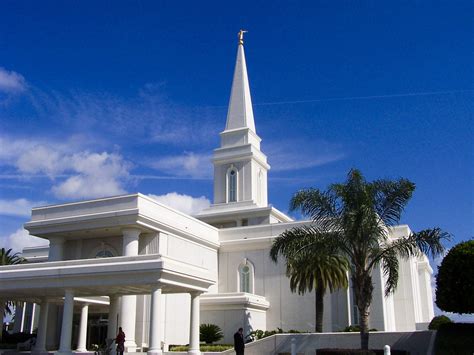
x,y
240,114
240,167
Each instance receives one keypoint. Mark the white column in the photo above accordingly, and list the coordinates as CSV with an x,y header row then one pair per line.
x,y
82,339
33,313
23,314
130,241
66,327
112,328
194,328
40,346
128,306
56,249
155,320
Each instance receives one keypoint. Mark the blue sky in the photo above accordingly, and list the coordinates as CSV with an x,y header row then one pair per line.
x,y
100,98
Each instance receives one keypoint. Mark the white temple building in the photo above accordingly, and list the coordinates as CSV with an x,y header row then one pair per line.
x,y
158,273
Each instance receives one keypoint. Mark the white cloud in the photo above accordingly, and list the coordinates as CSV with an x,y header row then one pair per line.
x,y
98,175
149,114
288,155
188,164
20,239
88,174
11,82
41,159
18,207
184,203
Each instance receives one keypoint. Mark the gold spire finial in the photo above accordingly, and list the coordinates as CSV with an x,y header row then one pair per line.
x,y
241,36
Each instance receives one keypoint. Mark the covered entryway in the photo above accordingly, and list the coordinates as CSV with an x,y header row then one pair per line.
x,y
120,247
118,278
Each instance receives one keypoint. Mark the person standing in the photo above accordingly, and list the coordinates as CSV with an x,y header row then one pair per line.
x,y
120,341
239,344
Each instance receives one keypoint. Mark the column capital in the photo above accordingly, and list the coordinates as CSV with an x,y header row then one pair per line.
x,y
156,286
195,293
131,231
56,239
44,299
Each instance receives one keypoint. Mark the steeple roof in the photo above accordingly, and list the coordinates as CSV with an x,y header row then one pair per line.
x,y
240,114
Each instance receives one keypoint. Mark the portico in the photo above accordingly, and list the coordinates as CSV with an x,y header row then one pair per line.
x,y
117,277
123,247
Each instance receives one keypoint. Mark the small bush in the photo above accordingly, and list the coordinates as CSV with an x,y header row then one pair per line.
x,y
209,333
210,348
260,334
356,328
358,352
455,339
344,352
437,321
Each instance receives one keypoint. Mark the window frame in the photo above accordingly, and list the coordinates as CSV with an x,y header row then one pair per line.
x,y
232,181
251,276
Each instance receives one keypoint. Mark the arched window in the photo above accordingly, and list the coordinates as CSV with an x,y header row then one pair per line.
x,y
232,185
246,276
103,250
104,254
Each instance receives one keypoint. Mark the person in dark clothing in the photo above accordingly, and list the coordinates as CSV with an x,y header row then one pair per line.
x,y
239,344
120,341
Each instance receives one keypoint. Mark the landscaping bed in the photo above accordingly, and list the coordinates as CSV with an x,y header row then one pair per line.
x,y
455,339
203,347
358,352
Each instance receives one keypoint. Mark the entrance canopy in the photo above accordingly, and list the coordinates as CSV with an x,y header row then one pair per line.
x,y
124,275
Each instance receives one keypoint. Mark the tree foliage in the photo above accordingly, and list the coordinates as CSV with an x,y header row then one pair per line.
x,y
353,219
455,279
7,257
310,270
437,321
210,333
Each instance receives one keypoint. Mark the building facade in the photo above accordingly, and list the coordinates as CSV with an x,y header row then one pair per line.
x,y
158,273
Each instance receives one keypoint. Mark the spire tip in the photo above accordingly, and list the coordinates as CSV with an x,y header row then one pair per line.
x,y
241,36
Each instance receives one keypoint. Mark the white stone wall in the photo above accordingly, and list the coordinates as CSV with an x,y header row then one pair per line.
x,y
287,310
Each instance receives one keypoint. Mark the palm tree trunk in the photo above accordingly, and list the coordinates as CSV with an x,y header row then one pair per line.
x,y
319,303
364,328
363,289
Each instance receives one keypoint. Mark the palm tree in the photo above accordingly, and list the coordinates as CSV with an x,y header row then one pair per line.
x,y
312,270
354,218
8,258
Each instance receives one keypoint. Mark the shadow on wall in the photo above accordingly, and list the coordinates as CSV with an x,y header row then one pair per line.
x,y
248,329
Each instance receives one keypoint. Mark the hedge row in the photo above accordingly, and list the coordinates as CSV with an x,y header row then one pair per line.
x,y
455,339
358,352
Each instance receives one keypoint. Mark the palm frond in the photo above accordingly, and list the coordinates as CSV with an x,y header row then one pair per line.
x,y
315,204
390,269
305,239
391,197
7,257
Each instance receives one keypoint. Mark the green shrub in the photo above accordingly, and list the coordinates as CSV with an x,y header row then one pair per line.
x,y
455,280
356,328
209,333
437,321
358,352
455,339
260,334
344,352
210,348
